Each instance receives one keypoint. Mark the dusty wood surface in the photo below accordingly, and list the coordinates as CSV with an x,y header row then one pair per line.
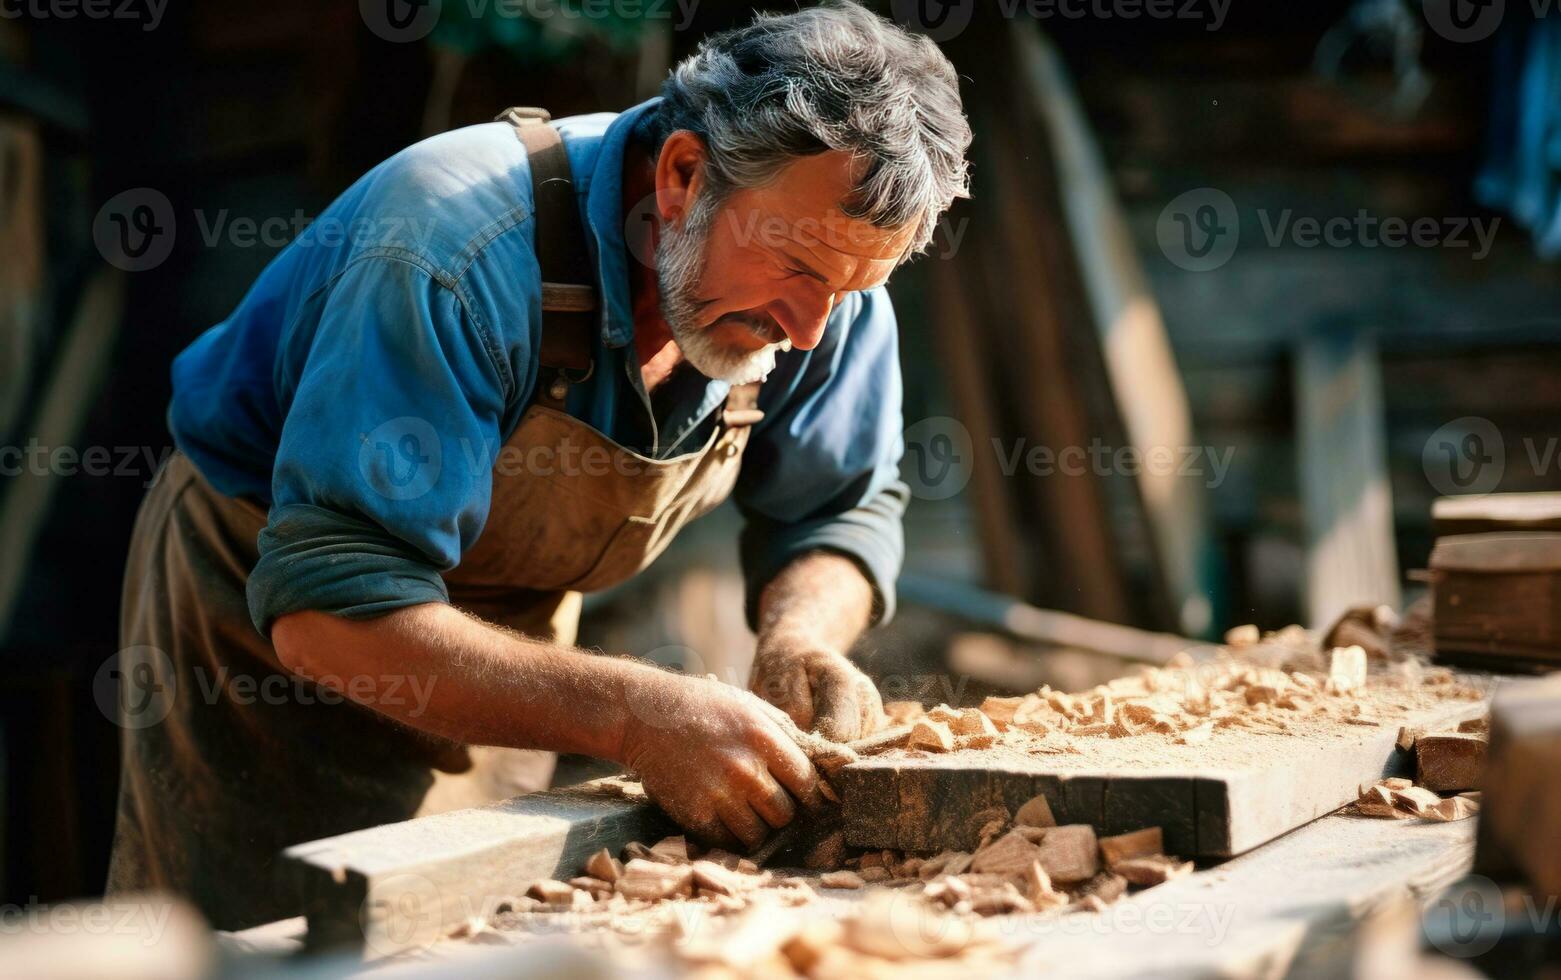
x,y
928,803
403,884
1290,908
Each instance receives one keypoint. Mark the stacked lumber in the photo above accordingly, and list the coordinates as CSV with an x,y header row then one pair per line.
x,y
1496,583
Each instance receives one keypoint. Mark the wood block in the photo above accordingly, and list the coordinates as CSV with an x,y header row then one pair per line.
x,y
406,884
1520,797
1069,853
1448,763
1139,843
1498,596
925,804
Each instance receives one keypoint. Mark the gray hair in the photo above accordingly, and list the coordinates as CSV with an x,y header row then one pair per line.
x,y
833,77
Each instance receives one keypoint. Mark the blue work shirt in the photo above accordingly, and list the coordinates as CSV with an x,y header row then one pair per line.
x,y
401,328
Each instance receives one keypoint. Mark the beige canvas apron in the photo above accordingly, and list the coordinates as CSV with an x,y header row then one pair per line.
x,y
250,760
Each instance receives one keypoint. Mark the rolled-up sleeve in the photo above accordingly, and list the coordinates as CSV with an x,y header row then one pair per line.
x,y
383,470
822,472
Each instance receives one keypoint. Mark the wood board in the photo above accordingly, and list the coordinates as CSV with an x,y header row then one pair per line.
x,y
406,884
929,802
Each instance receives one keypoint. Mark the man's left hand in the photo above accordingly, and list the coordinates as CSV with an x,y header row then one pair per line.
x,y
820,689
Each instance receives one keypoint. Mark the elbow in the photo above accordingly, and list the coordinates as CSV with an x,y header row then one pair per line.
x,y
298,642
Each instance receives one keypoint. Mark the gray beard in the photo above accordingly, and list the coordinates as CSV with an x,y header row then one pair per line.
x,y
680,258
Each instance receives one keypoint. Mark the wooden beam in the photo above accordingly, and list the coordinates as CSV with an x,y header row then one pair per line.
x,y
407,884
1278,783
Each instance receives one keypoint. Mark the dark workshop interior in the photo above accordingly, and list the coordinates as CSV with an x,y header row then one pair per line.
x,y
1242,354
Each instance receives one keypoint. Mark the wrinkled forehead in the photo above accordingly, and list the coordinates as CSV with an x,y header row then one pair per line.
x,y
804,207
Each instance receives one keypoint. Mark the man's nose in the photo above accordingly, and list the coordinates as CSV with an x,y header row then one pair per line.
x,y
804,316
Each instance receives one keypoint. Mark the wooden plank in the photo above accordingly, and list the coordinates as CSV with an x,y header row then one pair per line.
x,y
1345,495
406,884
928,803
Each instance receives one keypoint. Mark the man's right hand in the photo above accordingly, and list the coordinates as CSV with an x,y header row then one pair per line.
x,y
717,759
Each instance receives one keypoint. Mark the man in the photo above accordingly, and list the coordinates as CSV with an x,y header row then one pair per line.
x,y
415,443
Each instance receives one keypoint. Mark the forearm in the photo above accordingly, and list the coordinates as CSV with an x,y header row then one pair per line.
x,y
821,600
481,685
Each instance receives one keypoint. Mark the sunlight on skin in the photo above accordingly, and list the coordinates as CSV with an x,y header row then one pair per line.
x,y
778,257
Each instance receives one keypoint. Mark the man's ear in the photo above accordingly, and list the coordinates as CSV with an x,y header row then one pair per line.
x,y
680,174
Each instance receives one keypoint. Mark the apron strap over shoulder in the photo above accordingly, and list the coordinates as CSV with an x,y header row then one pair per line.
x,y
569,294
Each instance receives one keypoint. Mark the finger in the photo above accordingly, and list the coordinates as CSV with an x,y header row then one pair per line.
x,y
789,765
743,823
872,709
709,829
771,802
837,707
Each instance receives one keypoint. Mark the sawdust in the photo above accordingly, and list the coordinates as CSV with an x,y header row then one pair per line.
x,y
1230,712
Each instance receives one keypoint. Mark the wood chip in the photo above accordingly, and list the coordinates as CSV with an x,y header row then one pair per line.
x,y
1009,855
1346,669
1001,710
1139,843
1415,800
671,850
556,894
931,736
653,880
1106,886
1153,869
604,866
1453,808
595,887
1449,762
1069,853
841,879
1036,812
711,877
1242,636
